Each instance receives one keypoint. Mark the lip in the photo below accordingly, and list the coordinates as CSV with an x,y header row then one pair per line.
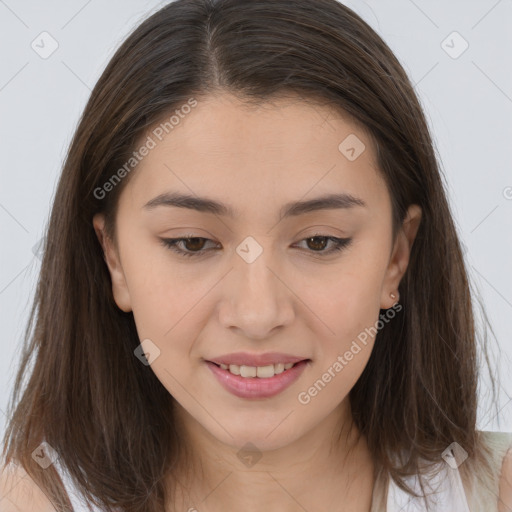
x,y
247,359
256,387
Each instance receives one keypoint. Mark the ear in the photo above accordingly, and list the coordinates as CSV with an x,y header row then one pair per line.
x,y
400,256
111,255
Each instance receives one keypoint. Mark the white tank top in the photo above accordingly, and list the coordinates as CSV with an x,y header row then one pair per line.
x,y
446,485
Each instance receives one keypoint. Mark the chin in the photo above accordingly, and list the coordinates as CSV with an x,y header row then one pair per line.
x,y
260,439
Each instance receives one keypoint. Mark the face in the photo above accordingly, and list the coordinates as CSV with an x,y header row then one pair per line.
x,y
272,273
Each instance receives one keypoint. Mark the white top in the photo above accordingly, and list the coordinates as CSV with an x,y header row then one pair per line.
x,y
446,485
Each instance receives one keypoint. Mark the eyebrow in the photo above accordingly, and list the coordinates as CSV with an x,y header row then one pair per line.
x,y
292,209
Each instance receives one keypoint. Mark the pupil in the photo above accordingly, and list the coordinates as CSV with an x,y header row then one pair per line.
x,y
317,238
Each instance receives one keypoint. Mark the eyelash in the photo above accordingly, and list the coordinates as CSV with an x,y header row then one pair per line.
x,y
171,243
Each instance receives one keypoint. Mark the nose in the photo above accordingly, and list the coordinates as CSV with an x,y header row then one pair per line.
x,y
256,299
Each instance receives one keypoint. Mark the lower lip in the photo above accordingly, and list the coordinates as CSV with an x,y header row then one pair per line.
x,y
254,387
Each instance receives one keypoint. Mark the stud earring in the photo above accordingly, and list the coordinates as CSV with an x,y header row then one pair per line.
x,y
392,295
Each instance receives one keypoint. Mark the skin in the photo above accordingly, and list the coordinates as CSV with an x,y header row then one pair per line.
x,y
505,485
291,299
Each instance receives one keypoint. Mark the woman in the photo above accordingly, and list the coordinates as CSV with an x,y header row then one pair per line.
x,y
252,293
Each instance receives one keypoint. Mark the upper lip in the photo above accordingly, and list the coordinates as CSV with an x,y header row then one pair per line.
x,y
246,359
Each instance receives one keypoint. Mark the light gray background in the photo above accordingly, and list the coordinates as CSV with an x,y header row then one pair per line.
x,y
467,99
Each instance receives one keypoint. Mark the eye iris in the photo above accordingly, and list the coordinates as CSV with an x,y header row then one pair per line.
x,y
322,245
196,240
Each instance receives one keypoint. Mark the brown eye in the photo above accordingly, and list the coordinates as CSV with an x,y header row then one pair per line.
x,y
317,243
186,246
194,244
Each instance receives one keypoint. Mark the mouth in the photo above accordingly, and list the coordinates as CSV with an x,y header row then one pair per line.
x,y
257,382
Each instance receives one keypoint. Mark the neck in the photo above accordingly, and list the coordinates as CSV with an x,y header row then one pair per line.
x,y
330,466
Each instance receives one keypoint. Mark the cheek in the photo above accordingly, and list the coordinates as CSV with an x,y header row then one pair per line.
x,y
161,291
347,302
350,312
169,311
345,347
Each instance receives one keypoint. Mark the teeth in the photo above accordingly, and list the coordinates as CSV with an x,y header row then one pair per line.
x,y
248,371
278,368
263,372
235,369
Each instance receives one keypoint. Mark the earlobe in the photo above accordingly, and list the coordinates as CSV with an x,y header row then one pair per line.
x,y
111,255
400,256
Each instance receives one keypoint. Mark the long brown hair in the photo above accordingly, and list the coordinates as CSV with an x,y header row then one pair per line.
x,y
107,416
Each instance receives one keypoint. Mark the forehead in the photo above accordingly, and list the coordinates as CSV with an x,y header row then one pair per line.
x,y
243,154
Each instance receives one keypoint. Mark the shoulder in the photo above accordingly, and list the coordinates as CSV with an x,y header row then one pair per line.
x,y
19,493
505,486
